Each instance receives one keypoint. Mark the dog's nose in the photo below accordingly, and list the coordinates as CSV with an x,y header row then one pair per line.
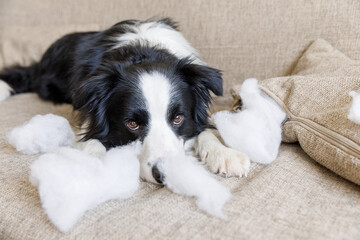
x,y
158,176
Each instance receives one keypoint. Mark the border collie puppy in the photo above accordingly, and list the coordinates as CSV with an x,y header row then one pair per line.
x,y
134,81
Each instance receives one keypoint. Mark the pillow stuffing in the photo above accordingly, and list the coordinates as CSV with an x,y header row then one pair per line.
x,y
317,103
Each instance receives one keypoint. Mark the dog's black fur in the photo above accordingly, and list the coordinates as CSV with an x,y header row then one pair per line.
x,y
102,83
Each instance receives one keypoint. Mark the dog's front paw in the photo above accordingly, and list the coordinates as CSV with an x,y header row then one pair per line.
x,y
92,147
226,161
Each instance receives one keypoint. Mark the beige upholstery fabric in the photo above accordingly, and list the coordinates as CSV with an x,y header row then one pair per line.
x,y
317,101
247,38
293,198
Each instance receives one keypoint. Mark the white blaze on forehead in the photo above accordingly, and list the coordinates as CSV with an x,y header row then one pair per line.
x,y
160,139
156,89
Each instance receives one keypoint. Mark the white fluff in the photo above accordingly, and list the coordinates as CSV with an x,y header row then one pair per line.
x,y
43,133
256,129
184,175
70,182
354,112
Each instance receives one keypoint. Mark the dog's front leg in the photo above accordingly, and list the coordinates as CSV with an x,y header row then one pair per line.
x,y
220,159
92,146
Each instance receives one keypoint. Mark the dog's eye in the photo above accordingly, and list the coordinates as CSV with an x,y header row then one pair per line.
x,y
178,119
132,125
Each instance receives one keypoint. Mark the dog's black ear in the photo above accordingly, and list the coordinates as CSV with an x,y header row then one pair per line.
x,y
201,79
90,98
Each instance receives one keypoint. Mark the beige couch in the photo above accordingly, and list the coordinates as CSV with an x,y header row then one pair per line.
x,y
293,198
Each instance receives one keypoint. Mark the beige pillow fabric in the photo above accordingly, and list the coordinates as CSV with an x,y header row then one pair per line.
x,y
316,100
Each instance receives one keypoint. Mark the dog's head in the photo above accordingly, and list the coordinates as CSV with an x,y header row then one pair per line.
x,y
149,96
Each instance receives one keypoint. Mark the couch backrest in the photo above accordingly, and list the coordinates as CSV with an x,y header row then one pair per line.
x,y
244,38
